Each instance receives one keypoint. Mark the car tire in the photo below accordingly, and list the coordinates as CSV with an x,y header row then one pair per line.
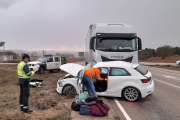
x,y
41,70
131,94
68,90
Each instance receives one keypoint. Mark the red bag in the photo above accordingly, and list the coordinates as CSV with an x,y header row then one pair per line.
x,y
100,108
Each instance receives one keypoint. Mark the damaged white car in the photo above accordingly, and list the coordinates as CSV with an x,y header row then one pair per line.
x,y
121,79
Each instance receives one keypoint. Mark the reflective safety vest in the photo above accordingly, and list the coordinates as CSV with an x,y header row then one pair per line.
x,y
93,72
20,71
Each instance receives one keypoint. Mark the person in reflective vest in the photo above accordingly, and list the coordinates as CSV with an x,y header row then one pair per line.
x,y
88,82
24,75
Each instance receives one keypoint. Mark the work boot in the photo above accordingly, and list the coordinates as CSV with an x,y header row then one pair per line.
x,y
27,110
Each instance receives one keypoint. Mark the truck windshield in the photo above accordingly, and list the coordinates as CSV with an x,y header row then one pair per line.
x,y
116,45
43,59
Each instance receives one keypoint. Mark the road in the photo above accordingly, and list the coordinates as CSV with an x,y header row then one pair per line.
x,y
164,104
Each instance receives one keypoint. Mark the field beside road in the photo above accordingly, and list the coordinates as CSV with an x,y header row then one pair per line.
x,y
69,60
45,102
160,60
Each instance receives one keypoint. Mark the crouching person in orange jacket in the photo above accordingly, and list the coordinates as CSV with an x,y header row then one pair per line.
x,y
88,81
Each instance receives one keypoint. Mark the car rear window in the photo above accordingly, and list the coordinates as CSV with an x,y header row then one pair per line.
x,y
141,70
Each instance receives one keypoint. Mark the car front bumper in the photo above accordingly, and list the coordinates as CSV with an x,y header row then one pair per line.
x,y
34,68
59,89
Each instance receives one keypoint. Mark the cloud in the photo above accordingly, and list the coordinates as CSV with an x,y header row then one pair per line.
x,y
5,4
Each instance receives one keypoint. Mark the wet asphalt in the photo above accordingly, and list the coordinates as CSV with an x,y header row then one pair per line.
x,y
164,104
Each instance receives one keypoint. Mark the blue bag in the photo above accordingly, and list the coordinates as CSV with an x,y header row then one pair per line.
x,y
85,110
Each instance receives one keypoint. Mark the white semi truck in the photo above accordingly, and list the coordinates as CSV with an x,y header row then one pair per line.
x,y
112,42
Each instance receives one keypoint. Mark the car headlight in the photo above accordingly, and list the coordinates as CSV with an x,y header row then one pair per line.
x,y
60,83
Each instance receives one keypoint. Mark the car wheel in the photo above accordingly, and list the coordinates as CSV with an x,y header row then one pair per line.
x,y
131,94
41,70
68,90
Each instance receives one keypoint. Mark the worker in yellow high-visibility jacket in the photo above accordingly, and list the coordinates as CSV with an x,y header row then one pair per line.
x,y
24,75
88,82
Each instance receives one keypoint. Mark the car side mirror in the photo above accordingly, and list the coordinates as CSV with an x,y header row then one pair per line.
x,y
91,46
139,44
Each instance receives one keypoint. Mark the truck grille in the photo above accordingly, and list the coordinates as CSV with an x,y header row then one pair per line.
x,y
104,59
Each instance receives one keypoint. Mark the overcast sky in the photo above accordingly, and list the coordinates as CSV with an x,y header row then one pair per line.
x,y
63,24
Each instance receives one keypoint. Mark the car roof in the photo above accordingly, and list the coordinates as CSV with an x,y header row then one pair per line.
x,y
116,64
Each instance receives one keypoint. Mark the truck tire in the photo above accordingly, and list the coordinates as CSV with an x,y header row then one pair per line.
x,y
51,71
41,70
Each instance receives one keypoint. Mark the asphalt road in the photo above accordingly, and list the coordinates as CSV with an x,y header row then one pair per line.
x,y
164,104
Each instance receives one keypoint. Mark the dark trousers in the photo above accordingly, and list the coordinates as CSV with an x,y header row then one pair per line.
x,y
24,94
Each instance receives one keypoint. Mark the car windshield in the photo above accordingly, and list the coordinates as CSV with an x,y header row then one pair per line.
x,y
43,59
116,45
91,64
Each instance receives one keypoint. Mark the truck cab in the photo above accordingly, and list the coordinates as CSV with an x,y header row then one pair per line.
x,y
112,42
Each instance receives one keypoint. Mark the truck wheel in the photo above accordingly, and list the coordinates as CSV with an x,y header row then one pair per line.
x,y
68,90
131,94
51,71
41,70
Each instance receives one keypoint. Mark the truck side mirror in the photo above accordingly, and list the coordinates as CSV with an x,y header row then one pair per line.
x,y
91,45
139,44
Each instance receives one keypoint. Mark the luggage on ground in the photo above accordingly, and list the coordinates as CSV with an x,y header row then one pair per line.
x,y
83,96
75,106
85,110
91,98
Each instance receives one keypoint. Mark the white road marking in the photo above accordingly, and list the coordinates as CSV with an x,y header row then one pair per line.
x,y
122,109
167,83
171,77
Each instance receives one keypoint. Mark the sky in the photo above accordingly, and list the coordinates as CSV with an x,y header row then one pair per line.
x,y
62,25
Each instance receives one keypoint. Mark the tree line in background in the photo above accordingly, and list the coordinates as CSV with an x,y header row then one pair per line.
x,y
163,52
